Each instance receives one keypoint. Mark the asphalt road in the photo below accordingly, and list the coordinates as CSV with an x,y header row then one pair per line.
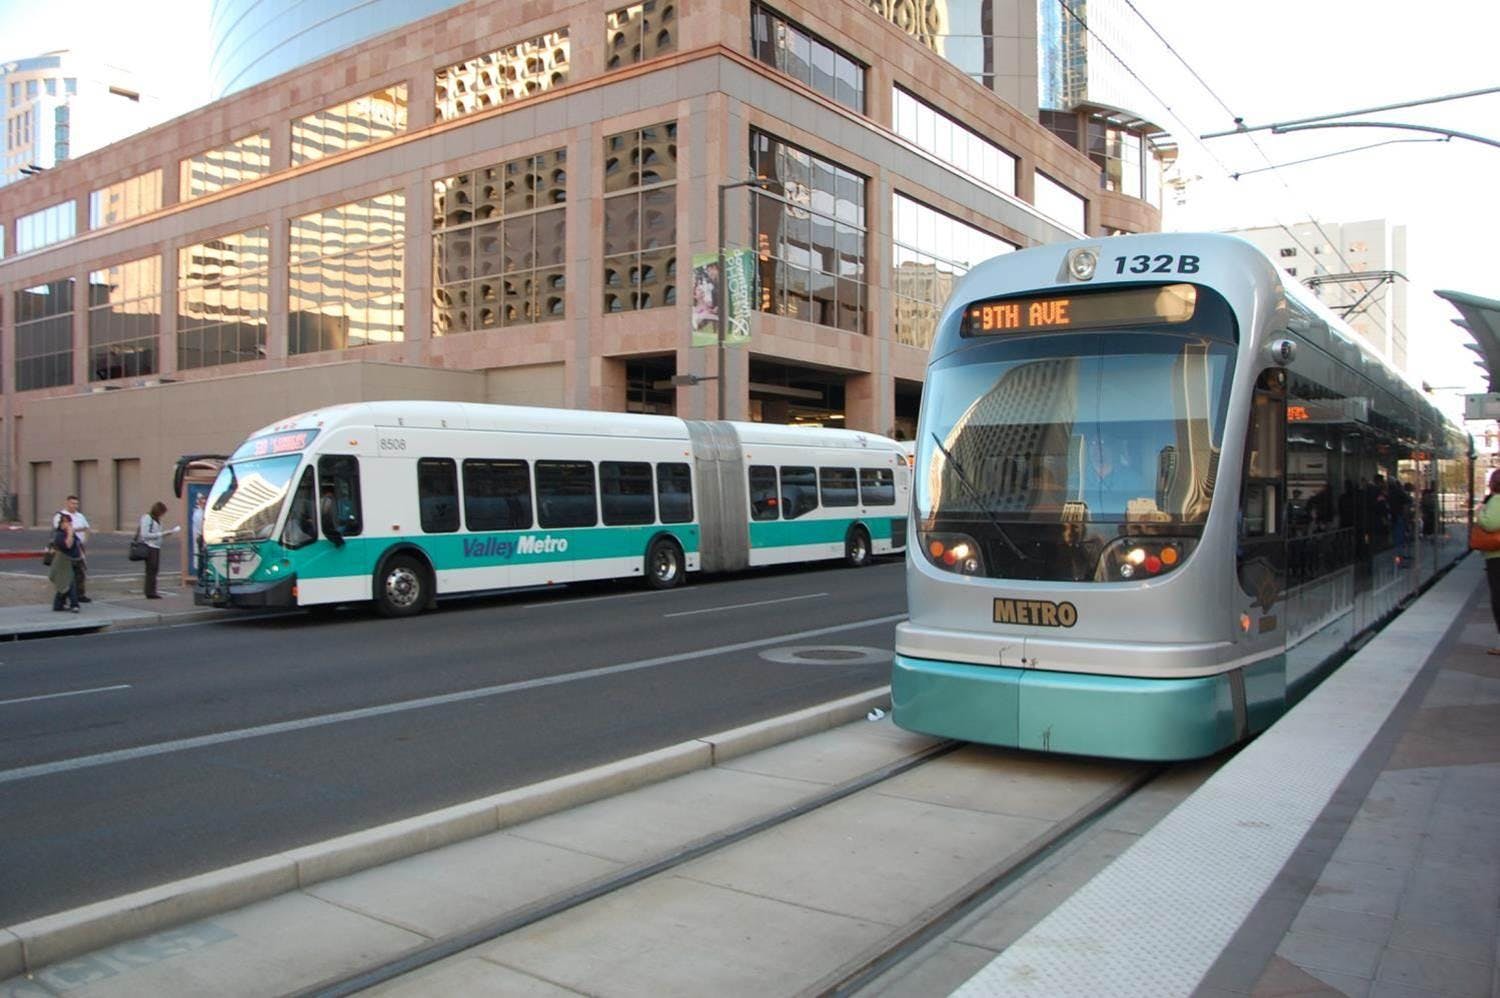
x,y
132,758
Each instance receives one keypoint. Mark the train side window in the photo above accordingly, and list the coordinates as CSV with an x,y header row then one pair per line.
x,y
674,492
341,472
763,501
565,494
799,492
302,519
625,493
877,487
497,494
1262,548
437,494
838,486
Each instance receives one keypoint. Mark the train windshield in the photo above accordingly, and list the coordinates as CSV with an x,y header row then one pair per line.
x,y
1046,450
246,499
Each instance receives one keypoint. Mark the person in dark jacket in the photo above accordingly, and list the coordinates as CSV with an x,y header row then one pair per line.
x,y
64,571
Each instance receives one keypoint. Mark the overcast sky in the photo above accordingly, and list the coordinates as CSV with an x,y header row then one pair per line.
x,y
1267,61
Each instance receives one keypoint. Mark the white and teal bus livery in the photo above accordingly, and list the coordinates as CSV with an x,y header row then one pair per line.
x,y
402,502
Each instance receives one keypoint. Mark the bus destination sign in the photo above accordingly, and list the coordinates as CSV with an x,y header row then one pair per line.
x,y
285,442
1172,303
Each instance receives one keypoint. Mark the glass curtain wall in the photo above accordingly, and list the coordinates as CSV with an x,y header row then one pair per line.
x,y
931,251
640,218
503,76
124,319
930,129
641,31
1060,204
223,294
126,200
45,227
44,335
346,275
792,49
809,236
498,245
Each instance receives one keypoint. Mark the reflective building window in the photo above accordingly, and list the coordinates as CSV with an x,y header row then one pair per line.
x,y
1058,203
933,131
125,200
498,245
640,218
246,159
641,31
802,55
931,252
124,319
44,335
503,76
359,122
223,294
809,237
45,227
346,276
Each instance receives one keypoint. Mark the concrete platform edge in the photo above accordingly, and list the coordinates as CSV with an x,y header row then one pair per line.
x,y
29,946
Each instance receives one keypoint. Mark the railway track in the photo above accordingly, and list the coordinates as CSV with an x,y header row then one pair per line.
x,y
1077,794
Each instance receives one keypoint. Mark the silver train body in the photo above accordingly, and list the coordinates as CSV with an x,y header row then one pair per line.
x,y
1158,491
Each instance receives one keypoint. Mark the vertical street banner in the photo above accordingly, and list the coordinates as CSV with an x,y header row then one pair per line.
x,y
709,294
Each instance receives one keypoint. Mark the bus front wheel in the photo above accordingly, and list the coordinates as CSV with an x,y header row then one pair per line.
x,y
857,548
664,564
401,587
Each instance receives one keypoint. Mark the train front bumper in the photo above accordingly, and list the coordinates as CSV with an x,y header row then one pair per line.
x,y
1120,717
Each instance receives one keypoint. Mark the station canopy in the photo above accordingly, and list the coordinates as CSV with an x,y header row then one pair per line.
x,y
1481,317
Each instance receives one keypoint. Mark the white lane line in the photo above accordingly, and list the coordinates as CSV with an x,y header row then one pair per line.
x,y
741,606
70,693
202,741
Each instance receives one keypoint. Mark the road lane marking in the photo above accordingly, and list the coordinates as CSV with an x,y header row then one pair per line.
x,y
282,727
70,693
742,606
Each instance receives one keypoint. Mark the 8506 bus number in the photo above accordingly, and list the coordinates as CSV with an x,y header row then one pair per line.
x,y
392,443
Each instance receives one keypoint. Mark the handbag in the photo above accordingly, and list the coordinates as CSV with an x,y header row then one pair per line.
x,y
49,554
1483,540
138,548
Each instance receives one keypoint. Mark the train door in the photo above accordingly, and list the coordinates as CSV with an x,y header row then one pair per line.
x,y
1260,550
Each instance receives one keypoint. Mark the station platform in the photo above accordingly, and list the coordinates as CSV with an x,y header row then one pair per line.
x,y
1353,848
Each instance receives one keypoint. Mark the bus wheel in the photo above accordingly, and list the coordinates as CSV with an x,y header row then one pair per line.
x,y
857,548
664,566
401,587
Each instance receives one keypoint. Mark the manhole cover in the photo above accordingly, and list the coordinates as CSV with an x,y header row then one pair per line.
x,y
828,655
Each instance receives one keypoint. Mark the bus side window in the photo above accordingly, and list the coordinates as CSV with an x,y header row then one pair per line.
x,y
674,492
625,493
799,492
302,519
877,487
838,486
437,494
497,495
342,472
565,494
762,492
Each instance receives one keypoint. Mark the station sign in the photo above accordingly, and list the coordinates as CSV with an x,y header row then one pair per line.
x,y
1482,406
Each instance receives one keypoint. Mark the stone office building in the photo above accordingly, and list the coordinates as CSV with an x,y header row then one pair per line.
x,y
501,202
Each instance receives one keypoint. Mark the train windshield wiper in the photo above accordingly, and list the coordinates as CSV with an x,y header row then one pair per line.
x,y
979,503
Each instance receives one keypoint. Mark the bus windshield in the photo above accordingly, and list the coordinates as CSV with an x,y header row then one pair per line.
x,y
246,499
1044,448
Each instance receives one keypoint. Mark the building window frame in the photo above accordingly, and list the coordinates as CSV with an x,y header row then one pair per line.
x,y
639,252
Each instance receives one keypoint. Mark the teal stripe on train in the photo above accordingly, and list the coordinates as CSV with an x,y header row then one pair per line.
x,y
321,560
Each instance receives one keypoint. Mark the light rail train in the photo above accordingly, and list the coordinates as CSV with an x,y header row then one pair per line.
x,y
401,502
1159,490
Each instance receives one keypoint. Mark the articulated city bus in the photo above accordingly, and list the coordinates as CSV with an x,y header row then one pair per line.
x,y
401,502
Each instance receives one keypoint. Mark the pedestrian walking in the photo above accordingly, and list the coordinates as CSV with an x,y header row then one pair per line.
x,y
151,533
1488,518
81,531
63,574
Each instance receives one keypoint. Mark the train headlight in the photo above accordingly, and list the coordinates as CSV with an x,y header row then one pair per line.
x,y
958,553
1137,558
1081,264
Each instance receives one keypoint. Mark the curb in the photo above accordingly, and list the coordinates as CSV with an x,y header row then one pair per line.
x,y
27,947
145,618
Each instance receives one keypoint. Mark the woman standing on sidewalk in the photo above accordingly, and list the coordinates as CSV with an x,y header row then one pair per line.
x,y
150,531
1488,518
63,574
